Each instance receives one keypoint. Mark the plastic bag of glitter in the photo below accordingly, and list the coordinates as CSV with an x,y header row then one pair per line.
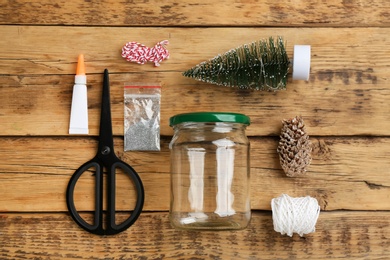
x,y
142,117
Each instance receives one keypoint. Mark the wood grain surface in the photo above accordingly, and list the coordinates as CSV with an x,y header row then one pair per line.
x,y
351,235
339,177
311,13
345,105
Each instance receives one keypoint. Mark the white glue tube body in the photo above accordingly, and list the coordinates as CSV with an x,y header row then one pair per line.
x,y
79,110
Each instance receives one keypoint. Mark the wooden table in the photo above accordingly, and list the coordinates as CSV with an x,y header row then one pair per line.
x,y
345,105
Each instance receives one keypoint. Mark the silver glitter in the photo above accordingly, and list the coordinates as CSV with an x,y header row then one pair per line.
x,y
142,118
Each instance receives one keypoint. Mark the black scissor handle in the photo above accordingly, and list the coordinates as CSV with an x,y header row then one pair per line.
x,y
98,226
112,227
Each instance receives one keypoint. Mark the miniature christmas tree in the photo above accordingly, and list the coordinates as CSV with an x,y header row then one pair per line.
x,y
261,65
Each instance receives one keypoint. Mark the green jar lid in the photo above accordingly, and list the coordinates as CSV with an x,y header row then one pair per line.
x,y
207,117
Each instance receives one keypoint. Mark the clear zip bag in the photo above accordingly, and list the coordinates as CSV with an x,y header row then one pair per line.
x,y
142,117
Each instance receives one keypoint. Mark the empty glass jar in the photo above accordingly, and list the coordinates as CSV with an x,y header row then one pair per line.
x,y
210,171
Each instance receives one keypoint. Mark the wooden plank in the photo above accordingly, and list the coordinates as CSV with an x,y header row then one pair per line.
x,y
344,86
346,173
332,109
357,235
54,49
195,13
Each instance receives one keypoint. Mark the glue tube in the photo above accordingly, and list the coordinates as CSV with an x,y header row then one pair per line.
x,y
79,110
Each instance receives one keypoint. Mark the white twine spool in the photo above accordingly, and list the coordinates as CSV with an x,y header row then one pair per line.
x,y
294,215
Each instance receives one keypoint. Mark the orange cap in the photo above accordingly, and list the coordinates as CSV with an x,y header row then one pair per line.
x,y
80,65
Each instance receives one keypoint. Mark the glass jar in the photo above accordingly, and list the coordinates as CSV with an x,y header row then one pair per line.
x,y
210,171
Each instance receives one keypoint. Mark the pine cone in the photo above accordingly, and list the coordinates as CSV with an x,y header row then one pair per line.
x,y
294,147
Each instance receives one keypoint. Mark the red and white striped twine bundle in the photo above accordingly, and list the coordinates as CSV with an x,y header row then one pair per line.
x,y
139,53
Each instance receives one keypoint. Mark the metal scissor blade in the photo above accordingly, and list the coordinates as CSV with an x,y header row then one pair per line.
x,y
105,136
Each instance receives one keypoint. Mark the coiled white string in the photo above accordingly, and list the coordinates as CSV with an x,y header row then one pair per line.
x,y
294,215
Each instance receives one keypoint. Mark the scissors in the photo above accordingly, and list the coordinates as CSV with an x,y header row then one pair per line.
x,y
105,159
